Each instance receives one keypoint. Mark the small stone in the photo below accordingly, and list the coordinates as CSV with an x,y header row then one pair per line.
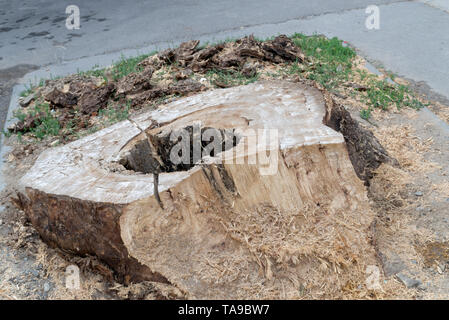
x,y
408,282
418,194
1,222
46,287
392,264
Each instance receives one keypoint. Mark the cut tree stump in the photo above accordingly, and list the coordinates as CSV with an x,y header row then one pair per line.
x,y
224,229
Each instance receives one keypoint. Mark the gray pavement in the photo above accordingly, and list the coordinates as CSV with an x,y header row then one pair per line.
x,y
413,39
34,30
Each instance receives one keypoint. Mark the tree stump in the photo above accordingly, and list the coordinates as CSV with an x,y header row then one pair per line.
x,y
252,220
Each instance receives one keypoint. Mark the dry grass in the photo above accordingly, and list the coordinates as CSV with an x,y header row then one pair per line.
x,y
441,110
313,253
408,149
442,189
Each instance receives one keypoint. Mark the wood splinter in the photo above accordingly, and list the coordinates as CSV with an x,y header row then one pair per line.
x,y
157,168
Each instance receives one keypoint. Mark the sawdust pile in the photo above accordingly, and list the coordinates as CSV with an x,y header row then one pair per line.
x,y
407,148
312,252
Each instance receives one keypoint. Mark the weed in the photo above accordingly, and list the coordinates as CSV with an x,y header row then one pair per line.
x,y
229,78
47,125
28,90
113,114
331,65
331,62
6,133
128,65
95,72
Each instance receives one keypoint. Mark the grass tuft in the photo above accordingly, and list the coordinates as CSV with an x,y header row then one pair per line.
x,y
126,66
229,78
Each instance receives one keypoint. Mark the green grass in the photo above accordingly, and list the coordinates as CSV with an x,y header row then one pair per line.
x,y
96,72
28,90
126,66
382,94
324,50
120,69
19,114
108,116
365,113
230,78
6,133
113,114
331,62
331,66
46,123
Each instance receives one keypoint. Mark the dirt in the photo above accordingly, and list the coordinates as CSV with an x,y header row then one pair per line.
x,y
410,196
8,79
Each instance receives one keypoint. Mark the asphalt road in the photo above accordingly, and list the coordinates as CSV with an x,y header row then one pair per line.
x,y
413,39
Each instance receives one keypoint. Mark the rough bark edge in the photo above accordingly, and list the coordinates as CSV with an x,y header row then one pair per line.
x,y
82,227
365,151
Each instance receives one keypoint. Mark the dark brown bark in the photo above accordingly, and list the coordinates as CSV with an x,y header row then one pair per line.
x,y
84,228
365,151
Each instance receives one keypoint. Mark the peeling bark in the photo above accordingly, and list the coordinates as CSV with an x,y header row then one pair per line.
x,y
365,151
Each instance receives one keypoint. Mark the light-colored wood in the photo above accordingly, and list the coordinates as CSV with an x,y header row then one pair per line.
x,y
205,240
